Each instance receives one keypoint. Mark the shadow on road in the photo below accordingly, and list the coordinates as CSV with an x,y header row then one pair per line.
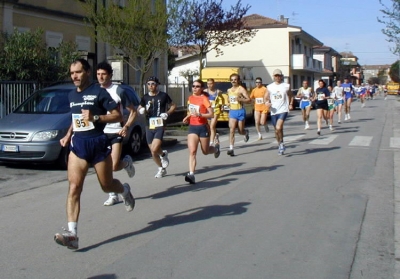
x,y
183,217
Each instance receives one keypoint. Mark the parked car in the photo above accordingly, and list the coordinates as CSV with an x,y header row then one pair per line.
x,y
32,132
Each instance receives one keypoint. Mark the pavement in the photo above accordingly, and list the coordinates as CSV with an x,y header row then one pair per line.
x,y
396,134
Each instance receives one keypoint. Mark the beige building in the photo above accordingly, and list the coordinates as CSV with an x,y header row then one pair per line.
x,y
63,20
275,45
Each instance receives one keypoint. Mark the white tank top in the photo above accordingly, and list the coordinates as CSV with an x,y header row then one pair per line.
x,y
306,93
113,128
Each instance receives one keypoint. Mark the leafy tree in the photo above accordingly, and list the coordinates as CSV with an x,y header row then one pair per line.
x,y
25,56
206,26
394,72
137,31
391,19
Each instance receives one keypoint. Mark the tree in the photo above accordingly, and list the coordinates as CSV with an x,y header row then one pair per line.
x,y
391,19
206,26
25,56
137,31
394,72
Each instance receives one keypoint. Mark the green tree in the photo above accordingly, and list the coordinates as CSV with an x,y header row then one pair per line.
x,y
207,26
391,19
25,56
394,72
137,30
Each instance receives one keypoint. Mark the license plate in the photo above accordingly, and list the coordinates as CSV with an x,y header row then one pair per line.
x,y
10,148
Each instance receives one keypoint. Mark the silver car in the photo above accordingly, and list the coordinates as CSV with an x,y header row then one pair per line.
x,y
32,132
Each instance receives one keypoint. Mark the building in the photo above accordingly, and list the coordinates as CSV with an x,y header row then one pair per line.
x,y
376,71
275,45
63,20
330,60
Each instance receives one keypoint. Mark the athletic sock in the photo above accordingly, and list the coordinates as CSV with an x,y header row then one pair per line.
x,y
73,227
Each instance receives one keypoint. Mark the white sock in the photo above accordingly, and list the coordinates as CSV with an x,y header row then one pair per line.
x,y
191,173
231,147
73,227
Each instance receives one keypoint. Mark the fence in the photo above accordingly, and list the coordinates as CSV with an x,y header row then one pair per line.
x,y
13,93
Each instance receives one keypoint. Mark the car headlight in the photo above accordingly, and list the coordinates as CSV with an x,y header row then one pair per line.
x,y
45,135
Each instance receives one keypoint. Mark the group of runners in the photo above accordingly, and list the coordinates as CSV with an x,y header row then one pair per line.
x,y
97,129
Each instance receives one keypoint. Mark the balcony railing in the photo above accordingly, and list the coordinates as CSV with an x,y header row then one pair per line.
x,y
303,62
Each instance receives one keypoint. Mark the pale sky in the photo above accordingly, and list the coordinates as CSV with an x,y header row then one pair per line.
x,y
343,25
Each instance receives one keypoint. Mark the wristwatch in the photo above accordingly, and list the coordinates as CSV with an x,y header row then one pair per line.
x,y
96,118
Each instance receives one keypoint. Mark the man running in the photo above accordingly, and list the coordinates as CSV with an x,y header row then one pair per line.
x,y
280,102
89,146
305,93
362,91
348,97
115,131
237,95
338,90
260,109
154,104
217,101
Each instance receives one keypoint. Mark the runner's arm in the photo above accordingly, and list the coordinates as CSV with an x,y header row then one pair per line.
x,y
67,138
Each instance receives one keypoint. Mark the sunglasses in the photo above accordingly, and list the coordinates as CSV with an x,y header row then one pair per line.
x,y
151,83
196,86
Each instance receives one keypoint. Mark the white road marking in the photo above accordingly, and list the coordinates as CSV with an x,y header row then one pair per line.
x,y
324,140
394,142
361,141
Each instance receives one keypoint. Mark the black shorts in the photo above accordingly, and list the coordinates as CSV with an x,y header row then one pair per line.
x,y
114,138
93,150
322,105
203,131
157,133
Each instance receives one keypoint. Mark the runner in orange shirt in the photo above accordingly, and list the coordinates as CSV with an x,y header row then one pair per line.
x,y
199,110
260,109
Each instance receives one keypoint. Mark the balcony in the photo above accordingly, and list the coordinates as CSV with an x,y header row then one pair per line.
x,y
303,62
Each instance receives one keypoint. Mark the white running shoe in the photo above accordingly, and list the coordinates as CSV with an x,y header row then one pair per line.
x,y
348,117
164,159
130,169
307,126
68,239
331,128
128,199
112,199
363,105
259,137
345,117
161,173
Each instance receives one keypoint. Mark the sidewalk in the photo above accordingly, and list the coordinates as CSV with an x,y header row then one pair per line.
x,y
396,158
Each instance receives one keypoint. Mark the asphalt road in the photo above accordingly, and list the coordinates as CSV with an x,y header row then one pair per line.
x,y
326,209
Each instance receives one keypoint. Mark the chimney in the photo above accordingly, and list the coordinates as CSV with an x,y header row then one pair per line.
x,y
284,19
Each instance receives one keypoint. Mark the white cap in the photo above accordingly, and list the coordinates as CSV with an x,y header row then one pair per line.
x,y
277,72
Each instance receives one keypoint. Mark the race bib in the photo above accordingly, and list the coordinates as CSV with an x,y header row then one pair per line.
x,y
277,96
155,122
347,89
330,102
321,97
233,100
194,109
259,101
80,124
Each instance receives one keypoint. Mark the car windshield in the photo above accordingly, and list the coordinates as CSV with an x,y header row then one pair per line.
x,y
53,101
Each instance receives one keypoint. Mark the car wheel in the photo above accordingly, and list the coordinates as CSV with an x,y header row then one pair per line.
x,y
62,160
135,142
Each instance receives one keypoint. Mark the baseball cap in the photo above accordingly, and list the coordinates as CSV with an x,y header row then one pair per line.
x,y
277,72
153,78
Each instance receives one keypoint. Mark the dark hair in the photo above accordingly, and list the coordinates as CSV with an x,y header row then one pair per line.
x,y
234,75
153,78
211,79
199,81
84,62
322,82
105,66
258,78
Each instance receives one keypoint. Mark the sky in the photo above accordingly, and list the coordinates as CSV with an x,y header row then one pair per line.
x,y
344,25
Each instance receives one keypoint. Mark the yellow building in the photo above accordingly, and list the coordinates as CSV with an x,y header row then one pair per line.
x,y
63,20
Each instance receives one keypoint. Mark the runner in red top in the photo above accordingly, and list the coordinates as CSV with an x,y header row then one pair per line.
x,y
199,110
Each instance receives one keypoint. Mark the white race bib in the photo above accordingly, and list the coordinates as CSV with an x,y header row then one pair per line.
x,y
259,101
79,124
155,122
233,100
194,109
330,102
321,97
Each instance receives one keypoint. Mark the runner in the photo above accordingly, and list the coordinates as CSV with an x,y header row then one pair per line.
x,y
89,146
331,106
260,109
154,104
237,95
338,90
305,93
217,101
372,89
362,91
385,91
322,94
115,131
199,110
279,100
348,97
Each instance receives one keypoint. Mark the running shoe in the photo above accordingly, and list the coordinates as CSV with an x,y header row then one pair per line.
x,y
246,136
161,173
306,127
339,122
130,168
217,150
282,148
216,140
266,128
259,137
363,105
319,133
128,200
112,199
190,178
348,117
331,128
68,239
164,159
345,117
230,152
